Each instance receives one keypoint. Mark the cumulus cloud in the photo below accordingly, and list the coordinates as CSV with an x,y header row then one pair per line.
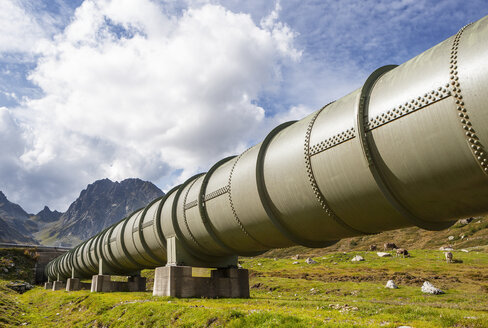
x,y
130,90
21,29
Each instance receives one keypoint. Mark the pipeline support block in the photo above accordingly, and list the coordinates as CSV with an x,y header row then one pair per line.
x,y
102,283
178,281
73,284
59,285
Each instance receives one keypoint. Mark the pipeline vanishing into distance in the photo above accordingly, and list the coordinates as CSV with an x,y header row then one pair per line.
x,y
407,149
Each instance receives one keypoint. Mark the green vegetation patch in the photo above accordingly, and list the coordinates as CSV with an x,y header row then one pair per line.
x,y
17,264
334,292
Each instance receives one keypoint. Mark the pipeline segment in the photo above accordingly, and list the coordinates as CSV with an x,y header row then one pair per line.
x,y
407,149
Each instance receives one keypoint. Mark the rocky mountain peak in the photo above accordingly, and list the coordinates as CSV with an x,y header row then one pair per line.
x,y
13,225
46,215
11,211
103,203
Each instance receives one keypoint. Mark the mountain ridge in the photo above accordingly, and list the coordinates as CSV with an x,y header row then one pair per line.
x,y
99,205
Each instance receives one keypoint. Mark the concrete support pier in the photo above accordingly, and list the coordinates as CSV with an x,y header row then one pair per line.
x,y
102,283
179,281
48,285
75,284
59,285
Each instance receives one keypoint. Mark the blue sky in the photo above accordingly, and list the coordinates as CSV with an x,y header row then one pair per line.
x,y
160,90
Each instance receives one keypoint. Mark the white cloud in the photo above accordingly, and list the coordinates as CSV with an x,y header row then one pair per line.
x,y
20,29
132,91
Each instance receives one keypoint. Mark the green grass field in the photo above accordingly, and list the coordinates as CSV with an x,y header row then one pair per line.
x,y
335,292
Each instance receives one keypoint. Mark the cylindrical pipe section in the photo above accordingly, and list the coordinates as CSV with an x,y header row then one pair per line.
x,y
407,149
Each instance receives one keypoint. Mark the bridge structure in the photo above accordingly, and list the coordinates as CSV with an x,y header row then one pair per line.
x,y
406,149
43,254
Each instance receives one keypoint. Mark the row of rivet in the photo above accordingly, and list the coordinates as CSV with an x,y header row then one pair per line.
x,y
184,214
408,107
332,141
311,178
234,212
212,195
147,224
384,118
217,193
475,145
191,204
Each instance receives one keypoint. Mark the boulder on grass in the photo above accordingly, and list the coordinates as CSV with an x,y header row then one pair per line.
x,y
357,258
310,261
391,284
383,254
428,288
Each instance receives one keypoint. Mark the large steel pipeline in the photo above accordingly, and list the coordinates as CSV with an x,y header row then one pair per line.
x,y
407,149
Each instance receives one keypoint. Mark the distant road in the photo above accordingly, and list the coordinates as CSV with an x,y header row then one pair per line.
x,y
38,247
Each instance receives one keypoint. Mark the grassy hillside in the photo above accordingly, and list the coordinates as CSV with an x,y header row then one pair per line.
x,y
17,264
475,235
335,292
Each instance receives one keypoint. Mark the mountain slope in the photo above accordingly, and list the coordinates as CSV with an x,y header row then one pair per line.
x,y
9,234
461,235
11,211
37,222
101,204
14,225
46,215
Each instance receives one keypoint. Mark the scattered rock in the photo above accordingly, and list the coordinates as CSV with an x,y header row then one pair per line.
x,y
450,238
357,258
19,286
465,221
343,308
259,263
239,266
462,236
404,327
5,270
387,246
464,250
314,291
472,318
446,248
428,288
310,261
391,284
295,257
383,254
296,262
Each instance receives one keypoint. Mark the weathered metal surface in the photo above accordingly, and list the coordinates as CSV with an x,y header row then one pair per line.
x,y
408,148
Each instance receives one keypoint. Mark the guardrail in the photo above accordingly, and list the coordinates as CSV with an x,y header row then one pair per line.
x,y
38,247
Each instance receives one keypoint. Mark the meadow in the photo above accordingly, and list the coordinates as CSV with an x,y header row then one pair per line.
x,y
334,292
